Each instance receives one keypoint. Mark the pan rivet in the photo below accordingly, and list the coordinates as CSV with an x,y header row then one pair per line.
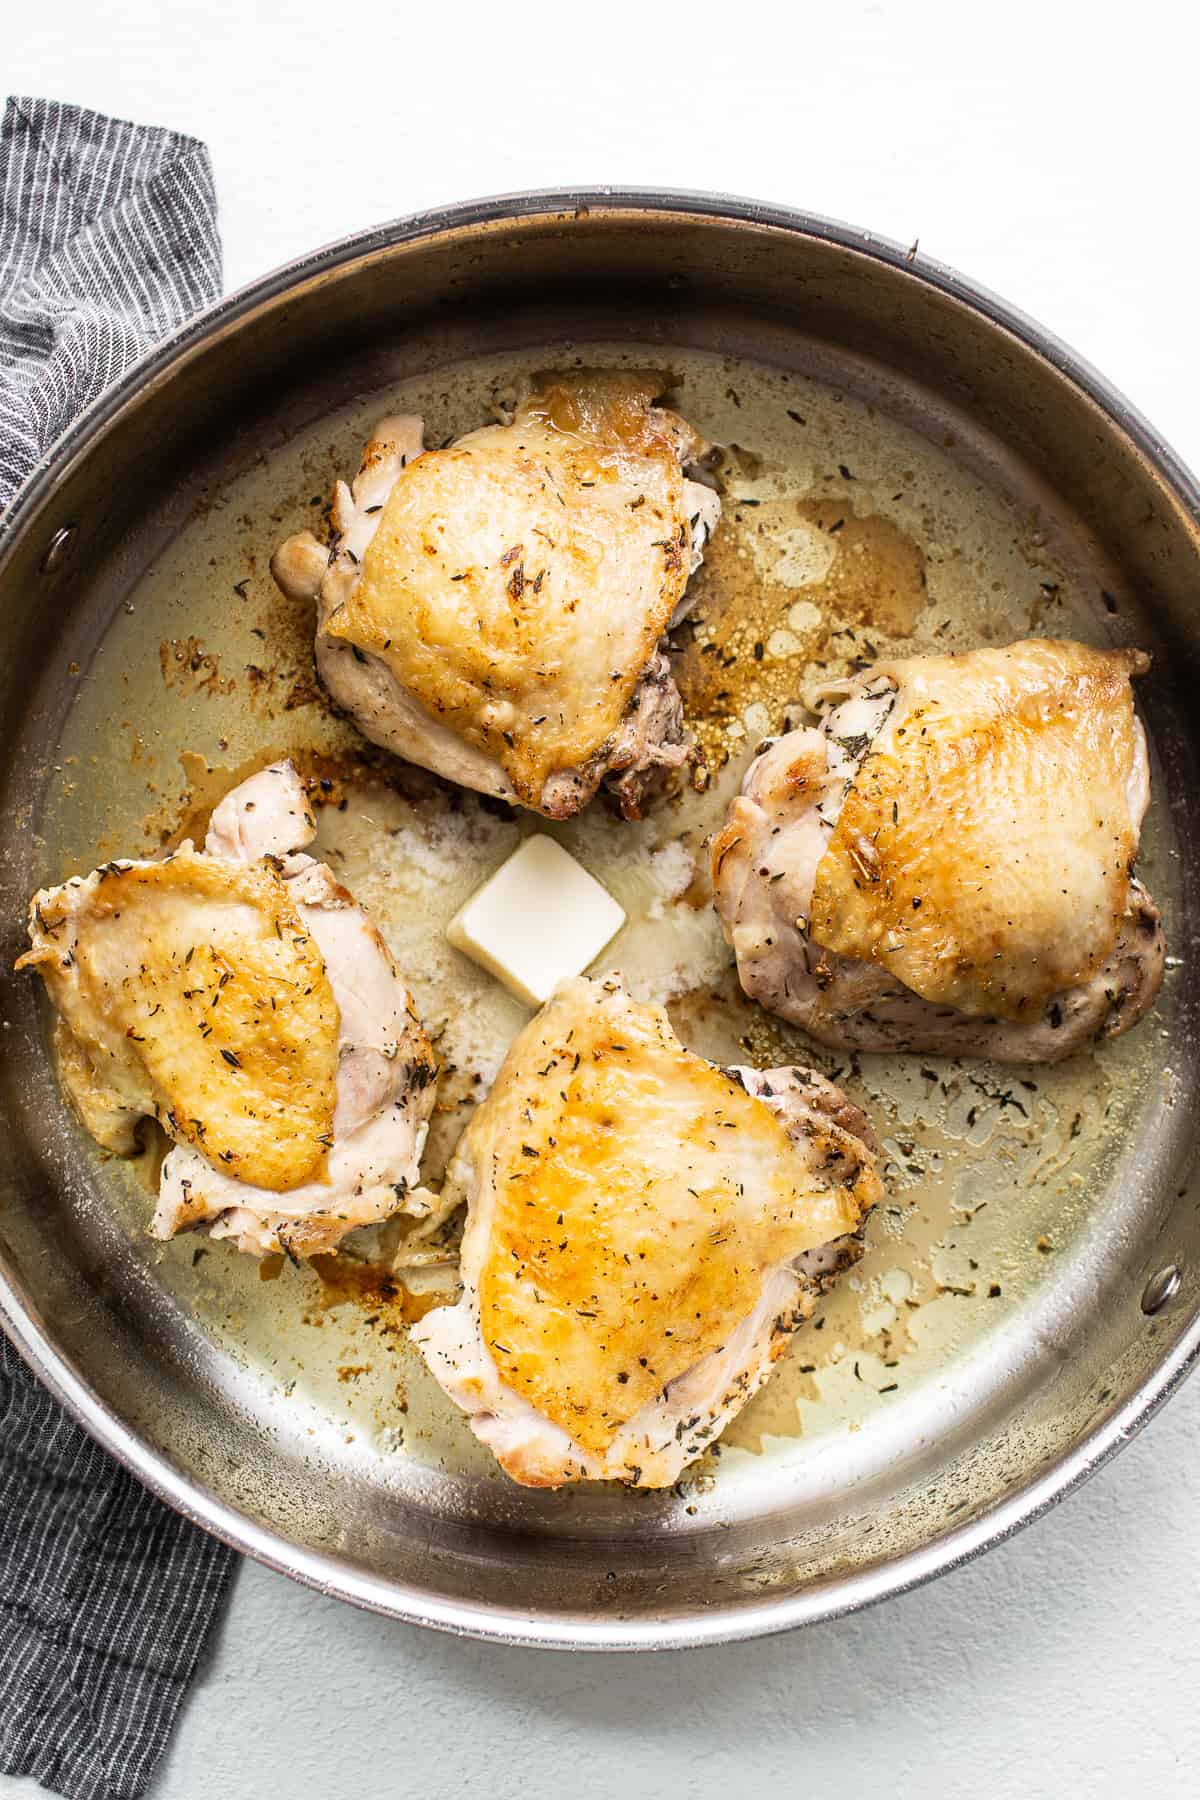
x,y
1162,1287
56,549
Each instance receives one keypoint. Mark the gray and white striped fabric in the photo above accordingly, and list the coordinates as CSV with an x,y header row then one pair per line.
x,y
108,239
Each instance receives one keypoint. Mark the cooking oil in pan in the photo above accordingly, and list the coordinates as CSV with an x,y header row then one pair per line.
x,y
844,533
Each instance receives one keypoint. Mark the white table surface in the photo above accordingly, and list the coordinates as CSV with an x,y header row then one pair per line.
x,y
1047,151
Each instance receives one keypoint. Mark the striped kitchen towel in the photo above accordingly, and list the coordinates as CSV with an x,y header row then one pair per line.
x,y
108,239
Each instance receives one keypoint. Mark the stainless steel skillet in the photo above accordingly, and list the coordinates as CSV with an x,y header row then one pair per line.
x,y
1010,1405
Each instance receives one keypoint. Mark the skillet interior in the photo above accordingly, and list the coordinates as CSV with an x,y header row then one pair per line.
x,y
208,1379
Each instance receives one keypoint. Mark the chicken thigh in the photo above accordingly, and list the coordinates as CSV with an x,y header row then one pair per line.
x,y
644,1233
241,998
496,610
944,864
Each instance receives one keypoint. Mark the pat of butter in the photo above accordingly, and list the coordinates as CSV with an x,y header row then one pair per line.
x,y
539,919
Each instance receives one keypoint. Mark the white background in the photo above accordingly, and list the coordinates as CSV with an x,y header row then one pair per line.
x,y
1048,151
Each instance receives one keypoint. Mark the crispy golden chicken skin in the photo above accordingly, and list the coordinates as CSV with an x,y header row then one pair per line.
x,y
197,981
946,863
240,997
495,609
644,1232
